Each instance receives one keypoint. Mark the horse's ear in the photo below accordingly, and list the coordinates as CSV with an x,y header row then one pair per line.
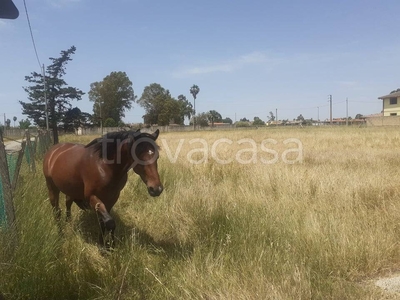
x,y
155,134
138,130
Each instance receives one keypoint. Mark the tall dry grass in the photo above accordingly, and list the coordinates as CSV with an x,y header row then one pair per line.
x,y
316,229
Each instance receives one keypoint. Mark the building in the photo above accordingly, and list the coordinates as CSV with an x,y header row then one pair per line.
x,y
391,104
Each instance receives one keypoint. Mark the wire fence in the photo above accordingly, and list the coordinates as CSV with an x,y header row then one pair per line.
x,y
12,159
30,148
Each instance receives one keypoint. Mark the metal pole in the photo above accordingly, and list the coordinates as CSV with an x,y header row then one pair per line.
x,y
276,115
45,100
330,107
347,112
101,119
194,113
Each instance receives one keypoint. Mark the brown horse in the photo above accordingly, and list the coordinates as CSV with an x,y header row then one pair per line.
x,y
93,176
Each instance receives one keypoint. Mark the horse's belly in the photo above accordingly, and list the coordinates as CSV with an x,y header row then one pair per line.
x,y
69,186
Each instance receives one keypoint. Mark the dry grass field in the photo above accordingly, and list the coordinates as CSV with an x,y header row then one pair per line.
x,y
284,213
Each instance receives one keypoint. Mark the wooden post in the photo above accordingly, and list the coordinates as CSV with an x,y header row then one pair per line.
x,y
35,145
7,190
18,166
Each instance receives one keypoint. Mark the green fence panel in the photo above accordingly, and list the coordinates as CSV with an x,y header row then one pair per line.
x,y
28,151
12,165
2,210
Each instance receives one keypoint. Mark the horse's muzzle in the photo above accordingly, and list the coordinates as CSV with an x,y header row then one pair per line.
x,y
155,191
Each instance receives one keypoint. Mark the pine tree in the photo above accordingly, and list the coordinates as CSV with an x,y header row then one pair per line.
x,y
59,95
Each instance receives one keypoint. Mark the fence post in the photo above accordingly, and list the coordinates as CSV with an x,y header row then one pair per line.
x,y
18,166
30,150
7,190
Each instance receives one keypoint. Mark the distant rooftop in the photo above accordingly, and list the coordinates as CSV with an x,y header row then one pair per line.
x,y
374,115
397,94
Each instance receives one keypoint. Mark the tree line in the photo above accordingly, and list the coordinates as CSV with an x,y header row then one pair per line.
x,y
111,97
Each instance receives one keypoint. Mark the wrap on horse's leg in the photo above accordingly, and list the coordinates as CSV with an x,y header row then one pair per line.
x,y
107,223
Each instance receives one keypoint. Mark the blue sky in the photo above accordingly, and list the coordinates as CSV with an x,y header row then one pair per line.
x,y
248,57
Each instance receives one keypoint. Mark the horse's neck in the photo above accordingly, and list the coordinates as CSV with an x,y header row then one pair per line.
x,y
121,164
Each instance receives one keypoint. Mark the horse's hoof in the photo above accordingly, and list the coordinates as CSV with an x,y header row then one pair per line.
x,y
106,249
110,225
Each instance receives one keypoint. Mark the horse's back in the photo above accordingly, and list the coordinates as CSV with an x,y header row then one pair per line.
x,y
62,156
62,167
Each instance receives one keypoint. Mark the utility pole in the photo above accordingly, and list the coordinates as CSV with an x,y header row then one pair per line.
x,y
45,100
347,112
330,107
101,119
194,113
276,115
318,114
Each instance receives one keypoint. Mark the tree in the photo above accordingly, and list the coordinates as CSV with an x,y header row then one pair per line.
x,y
24,124
258,122
271,117
14,119
186,108
74,118
300,118
8,123
110,122
202,119
395,91
170,113
214,116
152,100
58,93
227,120
112,96
359,116
194,90
161,108
244,120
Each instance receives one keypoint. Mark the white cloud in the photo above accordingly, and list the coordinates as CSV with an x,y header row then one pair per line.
x,y
226,66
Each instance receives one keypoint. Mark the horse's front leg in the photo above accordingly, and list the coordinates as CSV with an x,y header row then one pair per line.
x,y
107,223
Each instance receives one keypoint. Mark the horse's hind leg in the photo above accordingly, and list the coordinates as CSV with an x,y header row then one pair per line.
x,y
54,194
68,204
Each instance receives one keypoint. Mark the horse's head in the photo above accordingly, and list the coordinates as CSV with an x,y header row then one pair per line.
x,y
145,154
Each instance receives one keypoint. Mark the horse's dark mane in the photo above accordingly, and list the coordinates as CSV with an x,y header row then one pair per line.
x,y
112,138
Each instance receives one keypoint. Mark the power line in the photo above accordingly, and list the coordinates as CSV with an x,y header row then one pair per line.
x,y
304,108
33,40
377,102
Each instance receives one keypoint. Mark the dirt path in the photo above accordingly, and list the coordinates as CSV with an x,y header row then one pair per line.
x,y
390,284
13,146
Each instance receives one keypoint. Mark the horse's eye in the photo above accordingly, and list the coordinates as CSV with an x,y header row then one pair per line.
x,y
151,152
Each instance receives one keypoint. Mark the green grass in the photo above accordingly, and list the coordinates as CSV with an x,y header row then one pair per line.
x,y
319,229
